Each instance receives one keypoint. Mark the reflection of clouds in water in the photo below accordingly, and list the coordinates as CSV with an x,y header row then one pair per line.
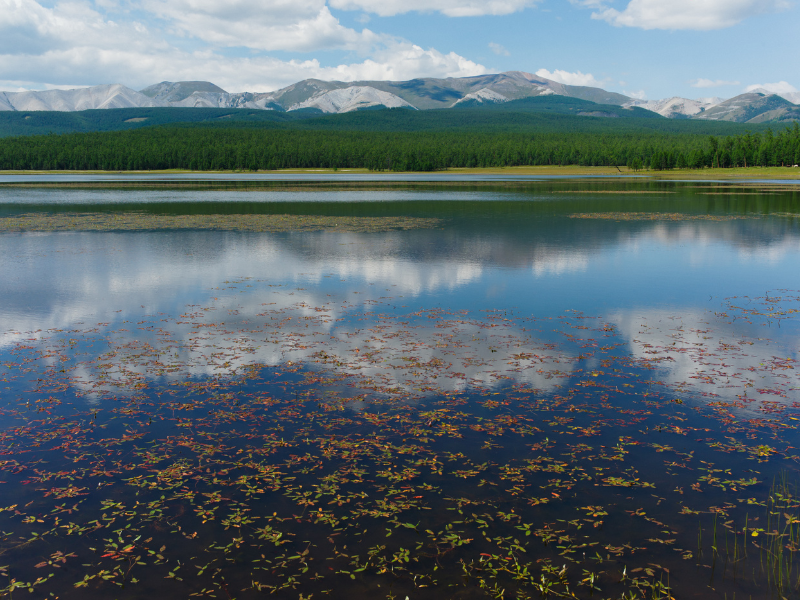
x,y
772,253
55,287
699,234
697,352
757,241
81,278
77,280
417,355
559,262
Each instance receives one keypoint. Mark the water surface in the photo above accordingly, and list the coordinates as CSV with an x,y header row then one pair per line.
x,y
569,387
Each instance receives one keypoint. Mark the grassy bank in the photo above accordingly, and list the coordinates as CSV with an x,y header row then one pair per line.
x,y
548,171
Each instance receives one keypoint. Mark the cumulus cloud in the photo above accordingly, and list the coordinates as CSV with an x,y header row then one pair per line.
x,y
588,3
400,61
781,87
711,83
499,49
28,27
69,45
24,86
640,95
568,78
451,8
702,15
300,25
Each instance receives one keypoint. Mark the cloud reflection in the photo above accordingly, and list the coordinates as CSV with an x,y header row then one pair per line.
x,y
317,300
700,353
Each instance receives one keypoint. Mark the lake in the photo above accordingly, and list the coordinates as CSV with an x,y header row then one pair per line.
x,y
438,388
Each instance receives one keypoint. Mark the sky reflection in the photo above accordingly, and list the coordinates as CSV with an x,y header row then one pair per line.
x,y
346,302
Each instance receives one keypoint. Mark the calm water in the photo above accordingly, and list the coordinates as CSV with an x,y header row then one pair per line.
x,y
567,387
323,176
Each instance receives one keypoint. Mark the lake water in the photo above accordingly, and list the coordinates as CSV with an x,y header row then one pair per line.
x,y
547,388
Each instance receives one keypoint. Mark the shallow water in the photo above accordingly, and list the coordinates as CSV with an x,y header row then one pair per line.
x,y
324,175
573,387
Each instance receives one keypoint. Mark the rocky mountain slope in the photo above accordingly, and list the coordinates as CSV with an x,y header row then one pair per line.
x,y
753,107
313,95
168,92
676,108
99,96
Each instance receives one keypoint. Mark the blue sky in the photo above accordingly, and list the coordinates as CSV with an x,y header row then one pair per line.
x,y
644,48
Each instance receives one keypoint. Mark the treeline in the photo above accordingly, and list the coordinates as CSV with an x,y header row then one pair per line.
x,y
745,150
214,148
37,122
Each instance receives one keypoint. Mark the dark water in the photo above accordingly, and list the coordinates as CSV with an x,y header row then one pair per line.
x,y
571,388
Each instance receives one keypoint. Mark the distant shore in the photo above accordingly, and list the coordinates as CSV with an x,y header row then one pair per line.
x,y
737,174
792,172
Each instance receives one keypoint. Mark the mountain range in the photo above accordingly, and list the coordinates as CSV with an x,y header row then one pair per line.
x,y
332,97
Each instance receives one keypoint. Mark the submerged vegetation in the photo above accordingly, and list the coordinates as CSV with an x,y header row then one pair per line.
x,y
306,433
486,461
143,221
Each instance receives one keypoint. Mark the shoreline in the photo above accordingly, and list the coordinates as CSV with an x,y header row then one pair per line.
x,y
787,173
292,180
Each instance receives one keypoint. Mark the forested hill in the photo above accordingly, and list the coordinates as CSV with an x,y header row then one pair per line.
x,y
548,130
255,148
118,119
531,115
542,113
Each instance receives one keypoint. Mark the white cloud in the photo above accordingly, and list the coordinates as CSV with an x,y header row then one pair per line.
x,y
499,49
588,3
709,83
567,78
782,87
19,86
640,95
72,45
702,15
29,28
451,8
294,26
401,61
